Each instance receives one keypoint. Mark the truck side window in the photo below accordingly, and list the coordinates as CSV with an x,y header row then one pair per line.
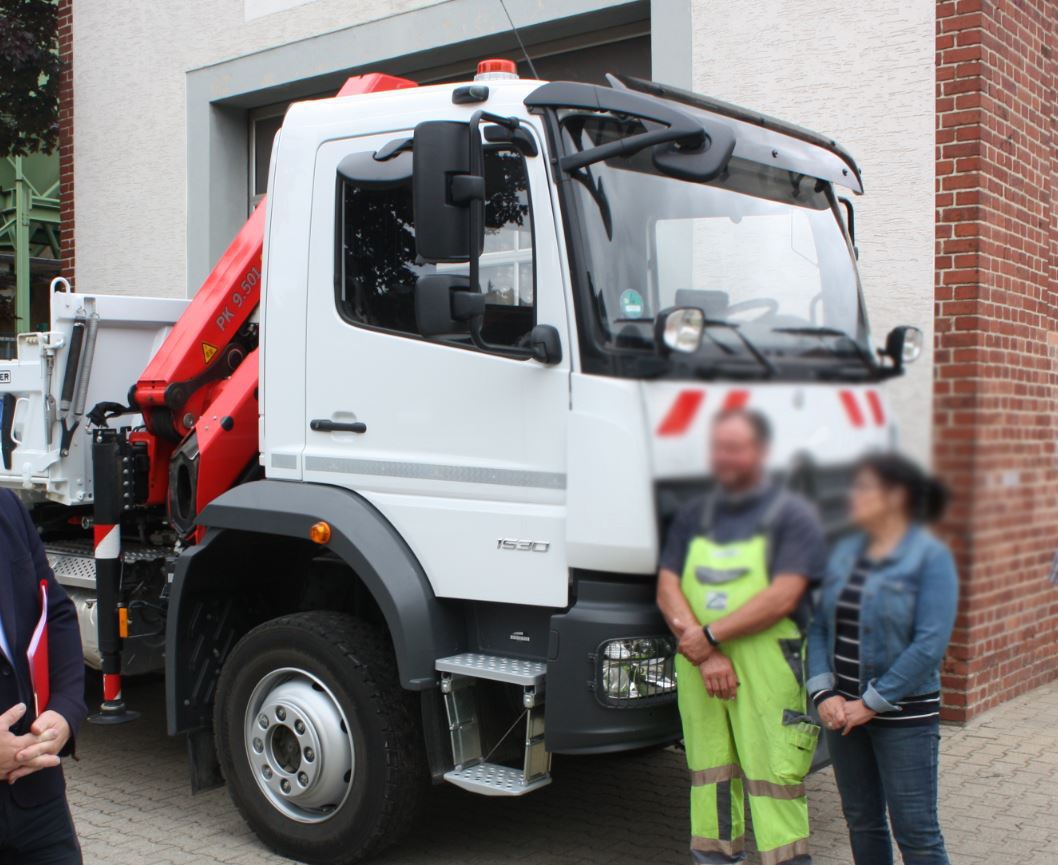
x,y
379,267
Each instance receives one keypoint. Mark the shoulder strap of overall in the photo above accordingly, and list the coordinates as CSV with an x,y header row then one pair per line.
x,y
771,513
705,526
768,519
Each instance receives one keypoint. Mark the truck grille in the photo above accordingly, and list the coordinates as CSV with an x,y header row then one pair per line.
x,y
827,486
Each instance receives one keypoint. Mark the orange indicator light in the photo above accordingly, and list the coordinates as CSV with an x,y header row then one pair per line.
x,y
320,533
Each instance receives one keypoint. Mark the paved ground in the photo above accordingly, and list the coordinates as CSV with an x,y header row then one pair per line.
x,y
999,803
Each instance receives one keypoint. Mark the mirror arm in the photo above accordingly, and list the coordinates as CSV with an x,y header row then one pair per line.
x,y
508,122
688,137
466,188
393,148
850,218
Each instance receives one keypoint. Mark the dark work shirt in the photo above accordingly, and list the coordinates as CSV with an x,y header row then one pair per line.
x,y
796,544
919,709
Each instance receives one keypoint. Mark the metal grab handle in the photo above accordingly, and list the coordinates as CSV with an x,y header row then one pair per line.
x,y
323,425
22,400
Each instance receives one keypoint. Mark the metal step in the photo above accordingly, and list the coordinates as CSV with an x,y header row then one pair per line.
x,y
492,779
473,771
74,562
515,671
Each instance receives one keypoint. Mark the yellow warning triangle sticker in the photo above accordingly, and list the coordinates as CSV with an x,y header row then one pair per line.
x,y
208,351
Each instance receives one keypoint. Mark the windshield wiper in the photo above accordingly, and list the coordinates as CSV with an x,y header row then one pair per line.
x,y
758,355
861,352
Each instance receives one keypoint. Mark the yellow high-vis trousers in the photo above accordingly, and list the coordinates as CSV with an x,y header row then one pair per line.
x,y
761,743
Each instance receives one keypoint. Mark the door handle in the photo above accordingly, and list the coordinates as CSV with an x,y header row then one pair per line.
x,y
324,425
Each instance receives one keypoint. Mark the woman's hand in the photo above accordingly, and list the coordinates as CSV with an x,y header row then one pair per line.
x,y
856,714
719,676
832,712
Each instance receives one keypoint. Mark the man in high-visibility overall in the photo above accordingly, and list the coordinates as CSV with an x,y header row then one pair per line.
x,y
733,586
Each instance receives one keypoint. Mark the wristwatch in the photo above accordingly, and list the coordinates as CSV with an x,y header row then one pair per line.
x,y
713,641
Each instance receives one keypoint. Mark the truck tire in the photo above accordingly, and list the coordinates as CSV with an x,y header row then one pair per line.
x,y
321,747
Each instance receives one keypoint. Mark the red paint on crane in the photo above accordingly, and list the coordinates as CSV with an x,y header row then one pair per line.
x,y
374,82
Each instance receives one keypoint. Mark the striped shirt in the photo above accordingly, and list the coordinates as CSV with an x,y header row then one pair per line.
x,y
919,709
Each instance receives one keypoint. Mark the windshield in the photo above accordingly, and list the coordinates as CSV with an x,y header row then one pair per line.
x,y
758,247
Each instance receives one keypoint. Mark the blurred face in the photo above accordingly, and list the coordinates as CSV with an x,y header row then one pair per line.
x,y
736,454
871,502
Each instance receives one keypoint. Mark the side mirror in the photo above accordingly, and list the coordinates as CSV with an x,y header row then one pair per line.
x,y
679,328
448,191
903,345
697,164
445,305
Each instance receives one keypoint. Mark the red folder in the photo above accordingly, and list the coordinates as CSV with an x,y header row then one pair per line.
x,y
37,655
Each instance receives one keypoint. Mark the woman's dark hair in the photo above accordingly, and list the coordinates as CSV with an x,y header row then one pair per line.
x,y
926,496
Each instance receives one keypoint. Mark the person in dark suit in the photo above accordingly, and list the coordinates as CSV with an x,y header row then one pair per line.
x,y
35,822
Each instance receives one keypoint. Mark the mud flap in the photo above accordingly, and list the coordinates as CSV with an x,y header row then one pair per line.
x,y
202,760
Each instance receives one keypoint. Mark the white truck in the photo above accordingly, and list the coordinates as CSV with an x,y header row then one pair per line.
x,y
385,504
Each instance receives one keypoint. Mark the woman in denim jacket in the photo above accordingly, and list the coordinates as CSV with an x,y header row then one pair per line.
x,y
874,652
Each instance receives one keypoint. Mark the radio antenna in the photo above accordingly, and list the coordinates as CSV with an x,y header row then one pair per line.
x,y
518,36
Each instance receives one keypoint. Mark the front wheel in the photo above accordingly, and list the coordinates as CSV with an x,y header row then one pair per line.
x,y
320,746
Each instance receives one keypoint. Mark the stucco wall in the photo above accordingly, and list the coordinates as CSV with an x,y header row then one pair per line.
x,y
863,75
131,63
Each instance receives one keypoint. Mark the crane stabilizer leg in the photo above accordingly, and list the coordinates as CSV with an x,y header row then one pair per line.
x,y
111,480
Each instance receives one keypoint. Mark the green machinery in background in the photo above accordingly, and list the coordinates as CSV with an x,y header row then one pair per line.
x,y
29,238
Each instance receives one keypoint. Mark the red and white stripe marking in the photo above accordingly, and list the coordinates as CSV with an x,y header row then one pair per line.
x,y
681,415
107,541
111,687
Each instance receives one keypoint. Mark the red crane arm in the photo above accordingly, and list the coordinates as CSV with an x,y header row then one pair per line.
x,y
208,342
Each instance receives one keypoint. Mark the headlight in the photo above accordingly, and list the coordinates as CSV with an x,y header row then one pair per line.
x,y
636,669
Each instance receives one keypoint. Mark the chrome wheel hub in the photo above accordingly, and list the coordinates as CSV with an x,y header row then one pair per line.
x,y
298,745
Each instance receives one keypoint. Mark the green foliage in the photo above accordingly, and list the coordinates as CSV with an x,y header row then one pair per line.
x,y
29,77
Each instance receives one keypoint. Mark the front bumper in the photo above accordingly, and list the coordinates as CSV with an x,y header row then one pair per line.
x,y
580,718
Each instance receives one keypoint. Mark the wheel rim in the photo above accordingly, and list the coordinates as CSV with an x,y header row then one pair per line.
x,y
299,746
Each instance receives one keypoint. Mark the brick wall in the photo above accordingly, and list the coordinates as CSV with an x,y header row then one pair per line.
x,y
66,209
996,339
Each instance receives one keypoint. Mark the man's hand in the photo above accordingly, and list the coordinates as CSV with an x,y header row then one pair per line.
x,y
832,712
719,676
694,646
856,713
10,744
50,733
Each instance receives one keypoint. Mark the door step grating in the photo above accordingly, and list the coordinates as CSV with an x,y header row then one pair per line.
x,y
492,779
515,671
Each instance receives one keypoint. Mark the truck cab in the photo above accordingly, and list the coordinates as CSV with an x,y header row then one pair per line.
x,y
495,320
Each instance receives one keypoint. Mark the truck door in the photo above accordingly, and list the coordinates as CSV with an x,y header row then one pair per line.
x,y
462,450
